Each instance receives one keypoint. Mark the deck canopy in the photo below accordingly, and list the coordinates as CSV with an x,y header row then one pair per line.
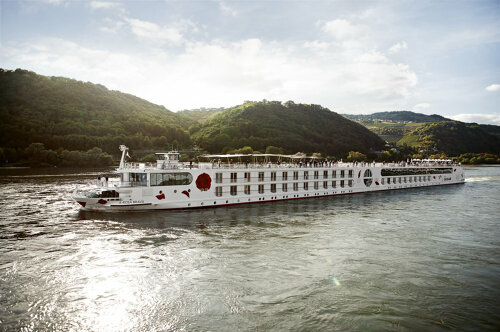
x,y
264,155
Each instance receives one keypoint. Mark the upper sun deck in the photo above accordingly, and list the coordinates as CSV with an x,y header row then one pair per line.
x,y
218,164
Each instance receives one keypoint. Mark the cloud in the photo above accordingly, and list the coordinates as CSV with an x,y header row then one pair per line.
x,y
493,119
493,87
103,5
342,29
421,106
149,31
397,47
217,73
226,10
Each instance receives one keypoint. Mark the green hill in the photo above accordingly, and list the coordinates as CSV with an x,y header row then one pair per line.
x,y
454,138
292,127
396,116
73,115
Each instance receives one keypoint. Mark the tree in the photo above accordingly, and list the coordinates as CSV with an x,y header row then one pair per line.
x,y
274,150
356,156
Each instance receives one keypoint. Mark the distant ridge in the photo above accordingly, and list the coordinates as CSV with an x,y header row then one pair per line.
x,y
406,116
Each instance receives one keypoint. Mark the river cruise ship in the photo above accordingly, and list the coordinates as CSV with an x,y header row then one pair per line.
x,y
220,180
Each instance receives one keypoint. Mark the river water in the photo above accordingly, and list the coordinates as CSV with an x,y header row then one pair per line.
x,y
424,259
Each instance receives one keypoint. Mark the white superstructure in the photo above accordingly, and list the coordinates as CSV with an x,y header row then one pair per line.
x,y
244,179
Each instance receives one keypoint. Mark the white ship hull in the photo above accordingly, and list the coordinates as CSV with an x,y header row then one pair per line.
x,y
211,185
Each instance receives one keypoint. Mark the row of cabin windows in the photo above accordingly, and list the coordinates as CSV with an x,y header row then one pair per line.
x,y
284,175
405,179
247,189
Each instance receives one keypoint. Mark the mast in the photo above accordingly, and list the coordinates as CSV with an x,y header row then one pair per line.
x,y
124,150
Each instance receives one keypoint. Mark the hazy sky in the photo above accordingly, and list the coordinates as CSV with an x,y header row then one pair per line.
x,y
350,56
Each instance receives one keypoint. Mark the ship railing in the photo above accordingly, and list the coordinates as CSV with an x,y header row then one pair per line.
x,y
240,165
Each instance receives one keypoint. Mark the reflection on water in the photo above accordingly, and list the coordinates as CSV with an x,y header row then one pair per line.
x,y
419,259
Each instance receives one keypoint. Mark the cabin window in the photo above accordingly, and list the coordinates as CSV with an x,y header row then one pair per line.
x,y
247,176
284,187
349,183
261,188
316,185
404,179
295,186
409,179
306,175
325,174
399,180
218,191
429,178
234,190
388,180
342,183
169,179
306,186
261,176
295,175
316,174
273,187
234,177
273,176
284,176
350,173
247,190
368,178
325,184
218,177
415,178
334,184
334,174
342,174
383,181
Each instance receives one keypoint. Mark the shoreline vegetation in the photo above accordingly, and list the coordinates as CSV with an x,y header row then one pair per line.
x,y
36,155
56,121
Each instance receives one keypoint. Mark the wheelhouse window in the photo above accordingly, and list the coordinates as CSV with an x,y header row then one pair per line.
x,y
218,177
261,176
234,190
139,179
170,179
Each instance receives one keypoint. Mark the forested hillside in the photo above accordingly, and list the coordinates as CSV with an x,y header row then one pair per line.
x,y
73,115
396,116
454,138
64,122
292,127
